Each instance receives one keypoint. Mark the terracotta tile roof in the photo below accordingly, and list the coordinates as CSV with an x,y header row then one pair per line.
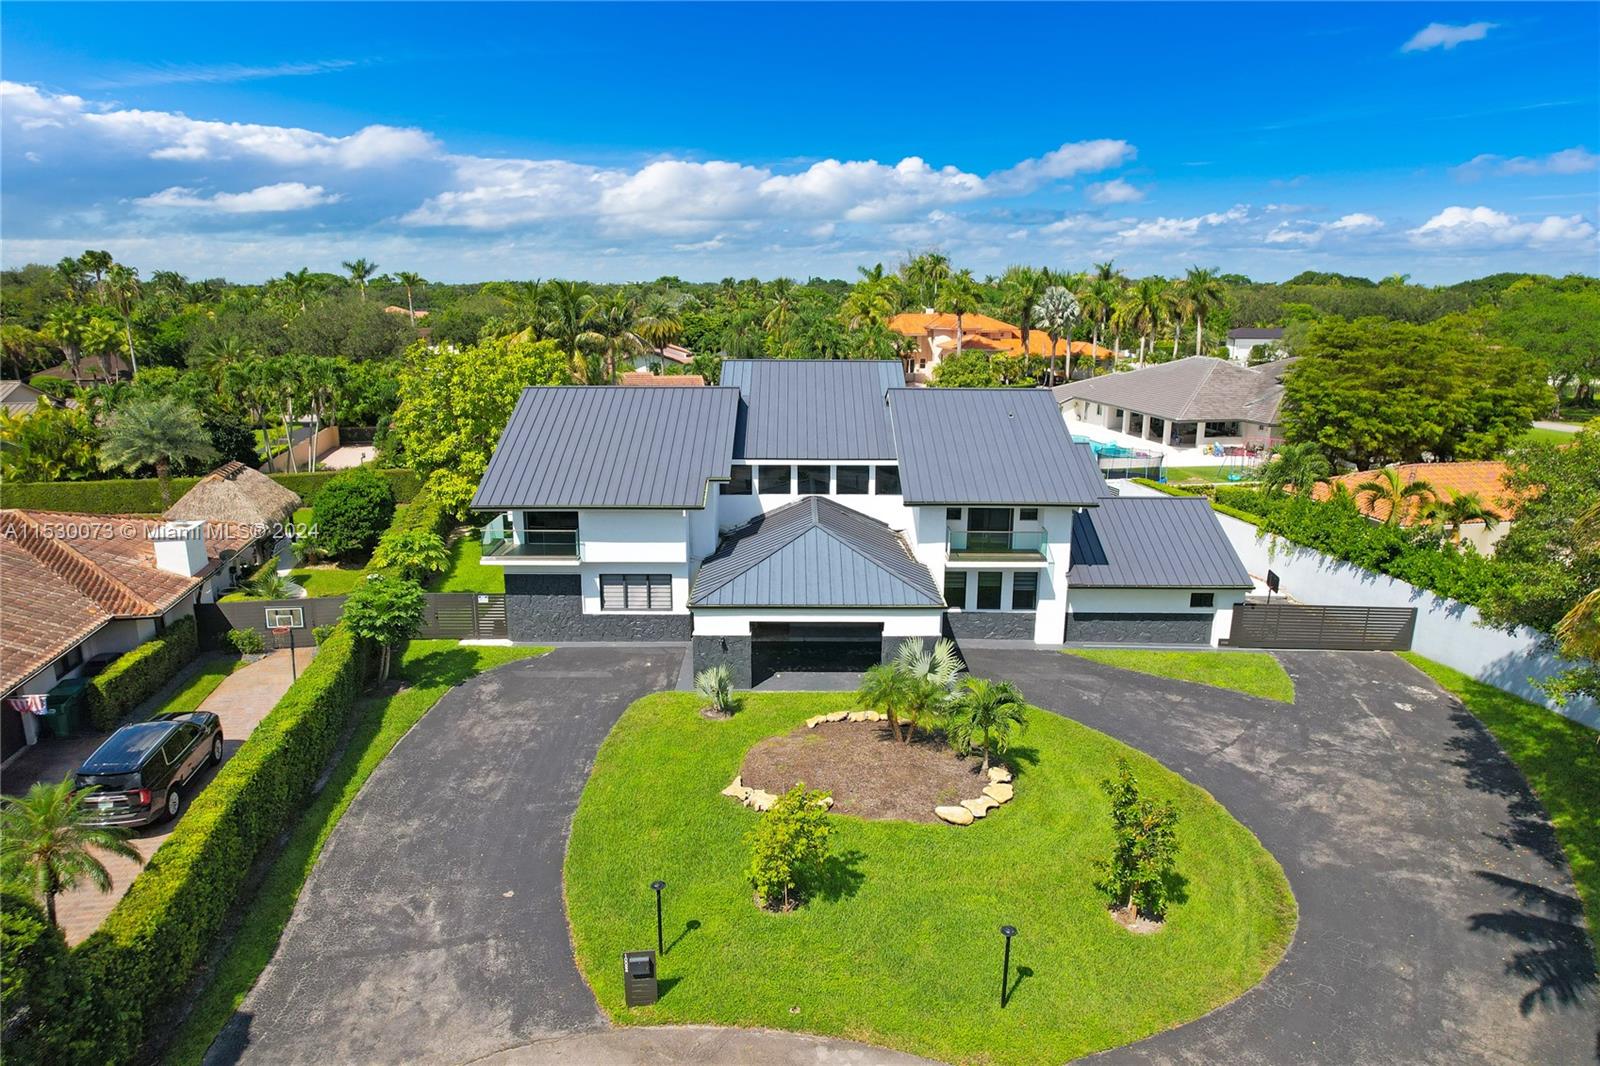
x,y
63,576
1449,480
642,377
983,333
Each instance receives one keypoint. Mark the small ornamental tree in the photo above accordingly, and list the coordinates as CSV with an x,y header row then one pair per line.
x,y
416,553
352,511
386,611
48,841
985,715
1137,874
788,847
715,683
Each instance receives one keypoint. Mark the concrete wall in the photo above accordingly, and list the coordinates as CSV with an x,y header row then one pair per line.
x,y
1448,631
549,607
327,439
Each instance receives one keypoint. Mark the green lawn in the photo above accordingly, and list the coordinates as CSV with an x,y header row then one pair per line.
x,y
901,946
1559,758
1176,475
1538,435
466,573
1255,673
430,667
328,580
195,690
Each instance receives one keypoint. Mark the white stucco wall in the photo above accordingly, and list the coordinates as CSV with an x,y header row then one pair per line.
x,y
589,581
736,622
634,536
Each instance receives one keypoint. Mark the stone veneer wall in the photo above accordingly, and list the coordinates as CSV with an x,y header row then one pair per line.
x,y
990,625
1139,628
550,607
732,652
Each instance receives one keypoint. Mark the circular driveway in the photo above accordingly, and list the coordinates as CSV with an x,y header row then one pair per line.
x,y
1438,922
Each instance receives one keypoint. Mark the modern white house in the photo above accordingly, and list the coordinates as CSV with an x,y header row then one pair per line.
x,y
814,514
1243,341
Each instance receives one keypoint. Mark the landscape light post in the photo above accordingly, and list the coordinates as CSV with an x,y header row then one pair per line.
x,y
1007,931
658,886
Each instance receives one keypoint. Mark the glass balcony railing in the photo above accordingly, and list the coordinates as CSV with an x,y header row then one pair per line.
x,y
536,544
995,542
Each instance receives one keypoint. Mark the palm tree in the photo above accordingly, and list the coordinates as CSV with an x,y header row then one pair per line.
x,y
1101,306
360,271
925,275
250,381
96,263
609,331
288,381
69,271
299,284
65,326
659,325
885,688
1461,508
1203,293
1057,311
411,281
46,838
1296,466
1388,487
1021,289
566,318
933,673
1579,629
959,296
986,714
101,337
320,378
156,432
122,293
1146,306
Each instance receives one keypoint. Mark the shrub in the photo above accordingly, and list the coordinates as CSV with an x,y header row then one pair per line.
x,y
1138,873
416,553
149,944
247,641
352,511
38,987
715,683
386,611
426,513
788,847
137,676
143,495
320,634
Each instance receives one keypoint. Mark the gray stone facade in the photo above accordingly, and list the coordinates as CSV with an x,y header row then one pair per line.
x,y
1139,628
550,607
732,652
990,625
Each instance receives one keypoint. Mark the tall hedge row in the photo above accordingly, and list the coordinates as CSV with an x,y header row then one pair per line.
x,y
147,948
426,511
143,495
140,673
37,982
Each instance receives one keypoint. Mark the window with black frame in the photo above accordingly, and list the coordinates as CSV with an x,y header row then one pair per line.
x,y
990,583
775,479
852,480
888,481
1024,590
813,481
738,483
955,589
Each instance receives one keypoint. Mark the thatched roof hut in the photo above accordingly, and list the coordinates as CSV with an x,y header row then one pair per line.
x,y
237,503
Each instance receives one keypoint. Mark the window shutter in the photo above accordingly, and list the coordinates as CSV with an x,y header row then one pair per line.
x,y
660,592
612,597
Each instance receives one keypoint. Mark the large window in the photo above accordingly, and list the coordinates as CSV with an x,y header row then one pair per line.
x,y
888,481
775,479
852,480
738,483
1024,590
550,533
989,582
955,589
813,481
636,592
1202,599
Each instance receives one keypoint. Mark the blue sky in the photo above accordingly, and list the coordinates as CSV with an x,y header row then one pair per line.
x,y
619,142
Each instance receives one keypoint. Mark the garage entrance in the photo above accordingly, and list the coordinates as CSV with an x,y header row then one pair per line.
x,y
813,647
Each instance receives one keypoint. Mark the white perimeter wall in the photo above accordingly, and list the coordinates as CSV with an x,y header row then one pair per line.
x,y
1447,630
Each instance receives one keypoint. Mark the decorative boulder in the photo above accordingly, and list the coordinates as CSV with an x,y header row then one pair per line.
x,y
826,803
954,815
814,721
873,716
859,716
836,716
980,806
759,800
737,789
999,775
1000,792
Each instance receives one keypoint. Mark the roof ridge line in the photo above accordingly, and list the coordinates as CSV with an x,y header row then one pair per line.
x,y
78,570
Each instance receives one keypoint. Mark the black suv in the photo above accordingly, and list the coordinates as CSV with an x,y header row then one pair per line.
x,y
142,770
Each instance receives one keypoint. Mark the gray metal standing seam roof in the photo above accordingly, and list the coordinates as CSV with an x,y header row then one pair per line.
x,y
813,553
1145,542
983,446
813,408
1195,387
582,446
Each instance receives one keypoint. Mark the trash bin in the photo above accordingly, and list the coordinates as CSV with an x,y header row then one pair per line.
x,y
64,706
639,978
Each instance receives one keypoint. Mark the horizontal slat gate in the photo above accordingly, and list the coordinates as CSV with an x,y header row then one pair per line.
x,y
1333,628
446,616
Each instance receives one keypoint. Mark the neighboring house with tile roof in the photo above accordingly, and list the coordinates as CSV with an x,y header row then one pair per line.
x,y
814,514
94,368
1486,479
650,360
1193,404
77,586
645,377
245,512
1243,341
934,336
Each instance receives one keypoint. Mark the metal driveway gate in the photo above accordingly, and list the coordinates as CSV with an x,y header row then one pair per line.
x,y
464,616
1299,625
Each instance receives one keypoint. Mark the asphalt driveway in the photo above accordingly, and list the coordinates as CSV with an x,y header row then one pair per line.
x,y
433,928
1438,921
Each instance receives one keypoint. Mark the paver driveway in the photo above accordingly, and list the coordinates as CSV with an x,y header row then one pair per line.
x,y
433,928
1438,922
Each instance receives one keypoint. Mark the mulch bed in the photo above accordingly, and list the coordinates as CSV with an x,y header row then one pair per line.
x,y
870,774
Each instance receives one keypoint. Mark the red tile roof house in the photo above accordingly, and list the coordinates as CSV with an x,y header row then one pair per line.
x,y
77,586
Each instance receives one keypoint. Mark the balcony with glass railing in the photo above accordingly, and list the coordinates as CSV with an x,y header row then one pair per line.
x,y
555,544
995,544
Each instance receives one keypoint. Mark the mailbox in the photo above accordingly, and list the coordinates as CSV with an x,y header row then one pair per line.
x,y
639,978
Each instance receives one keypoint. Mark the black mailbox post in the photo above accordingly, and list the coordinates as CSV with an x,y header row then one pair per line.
x,y
639,978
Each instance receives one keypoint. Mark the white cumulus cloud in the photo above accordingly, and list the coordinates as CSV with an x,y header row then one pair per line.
x,y
1578,160
283,196
1177,229
1457,227
1115,191
1445,35
1312,233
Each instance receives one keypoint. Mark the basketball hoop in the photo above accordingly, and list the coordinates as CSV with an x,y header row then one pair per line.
x,y
279,631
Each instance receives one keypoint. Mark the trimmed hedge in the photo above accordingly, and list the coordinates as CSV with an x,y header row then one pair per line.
x,y
140,673
146,949
143,495
426,511
1208,492
37,982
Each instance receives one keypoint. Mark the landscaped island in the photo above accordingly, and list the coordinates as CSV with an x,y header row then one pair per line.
x,y
899,945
